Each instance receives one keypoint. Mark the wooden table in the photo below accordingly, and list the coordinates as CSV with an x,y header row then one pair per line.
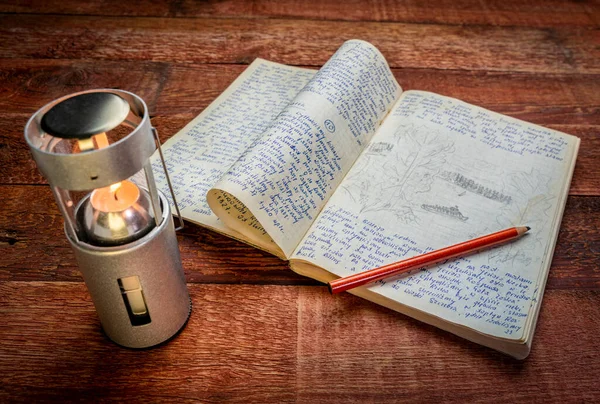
x,y
259,332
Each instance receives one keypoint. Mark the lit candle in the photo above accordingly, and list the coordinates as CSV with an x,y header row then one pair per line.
x,y
118,213
115,198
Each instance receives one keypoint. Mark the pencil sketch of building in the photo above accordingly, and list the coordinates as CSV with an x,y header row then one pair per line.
x,y
448,211
474,187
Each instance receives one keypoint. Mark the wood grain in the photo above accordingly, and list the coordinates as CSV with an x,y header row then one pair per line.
x,y
569,103
302,42
259,332
338,362
284,344
236,347
18,167
524,94
488,12
26,85
34,247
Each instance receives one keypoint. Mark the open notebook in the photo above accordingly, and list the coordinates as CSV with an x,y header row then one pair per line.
x,y
340,171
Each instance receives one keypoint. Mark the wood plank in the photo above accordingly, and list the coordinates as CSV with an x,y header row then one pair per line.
x,y
586,178
522,94
239,345
168,88
18,167
351,350
279,337
563,102
28,84
278,343
300,42
464,12
34,247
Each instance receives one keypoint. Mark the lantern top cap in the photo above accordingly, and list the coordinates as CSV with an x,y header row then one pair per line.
x,y
59,154
85,115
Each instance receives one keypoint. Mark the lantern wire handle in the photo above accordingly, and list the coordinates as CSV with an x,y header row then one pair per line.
x,y
162,159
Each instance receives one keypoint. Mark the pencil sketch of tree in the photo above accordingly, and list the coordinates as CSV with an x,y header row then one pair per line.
x,y
533,202
407,169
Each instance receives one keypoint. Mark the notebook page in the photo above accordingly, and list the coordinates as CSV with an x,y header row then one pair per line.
x,y
199,154
439,172
286,177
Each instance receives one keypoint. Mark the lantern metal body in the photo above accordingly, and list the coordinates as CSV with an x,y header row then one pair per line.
x,y
122,233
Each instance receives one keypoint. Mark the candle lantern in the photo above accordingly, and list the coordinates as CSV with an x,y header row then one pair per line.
x,y
89,145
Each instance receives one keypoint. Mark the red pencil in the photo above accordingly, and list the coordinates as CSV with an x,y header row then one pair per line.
x,y
433,257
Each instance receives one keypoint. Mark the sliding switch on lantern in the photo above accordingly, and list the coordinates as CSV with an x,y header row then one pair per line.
x,y
133,296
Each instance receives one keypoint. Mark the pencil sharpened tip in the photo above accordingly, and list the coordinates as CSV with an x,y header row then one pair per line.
x,y
528,228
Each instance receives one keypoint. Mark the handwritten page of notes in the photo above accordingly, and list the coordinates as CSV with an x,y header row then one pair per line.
x,y
288,175
438,172
208,146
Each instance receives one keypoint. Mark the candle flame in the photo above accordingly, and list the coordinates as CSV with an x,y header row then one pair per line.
x,y
114,187
116,197
113,190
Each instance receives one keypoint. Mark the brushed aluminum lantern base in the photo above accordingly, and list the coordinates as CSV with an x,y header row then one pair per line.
x,y
163,342
138,288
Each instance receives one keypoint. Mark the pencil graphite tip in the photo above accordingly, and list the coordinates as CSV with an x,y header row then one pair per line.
x,y
528,228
